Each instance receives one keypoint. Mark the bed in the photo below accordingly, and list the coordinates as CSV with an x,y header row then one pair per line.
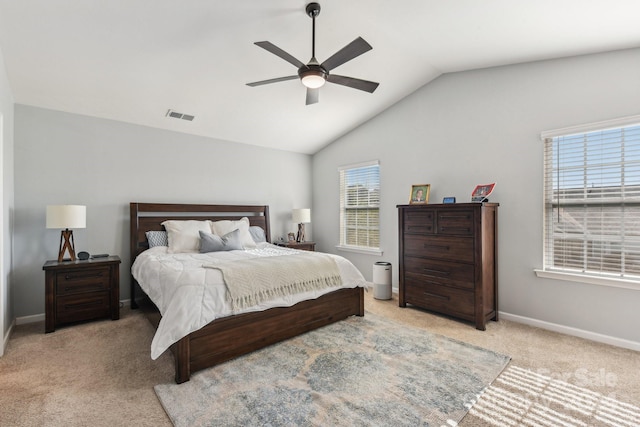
x,y
228,337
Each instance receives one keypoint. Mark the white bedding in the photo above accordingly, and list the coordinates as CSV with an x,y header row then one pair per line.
x,y
190,296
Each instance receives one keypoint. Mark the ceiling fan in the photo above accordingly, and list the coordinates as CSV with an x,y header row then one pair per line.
x,y
313,75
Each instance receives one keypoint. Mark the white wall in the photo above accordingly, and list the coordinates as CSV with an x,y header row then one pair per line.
x,y
6,213
63,158
482,126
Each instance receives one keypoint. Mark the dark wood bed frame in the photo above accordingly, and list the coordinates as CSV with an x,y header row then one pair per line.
x,y
229,337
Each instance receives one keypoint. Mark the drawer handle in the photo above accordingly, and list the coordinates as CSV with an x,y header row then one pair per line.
x,y
84,304
82,276
419,227
75,288
453,216
468,230
430,246
444,297
438,272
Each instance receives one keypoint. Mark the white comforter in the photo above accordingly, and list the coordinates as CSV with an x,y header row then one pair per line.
x,y
190,296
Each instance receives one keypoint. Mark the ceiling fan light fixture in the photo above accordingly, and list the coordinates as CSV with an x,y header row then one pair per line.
x,y
313,80
314,75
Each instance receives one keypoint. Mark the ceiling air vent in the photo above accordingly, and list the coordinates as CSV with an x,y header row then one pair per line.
x,y
176,115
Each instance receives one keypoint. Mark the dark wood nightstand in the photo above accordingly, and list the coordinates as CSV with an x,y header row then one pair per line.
x,y
81,290
303,246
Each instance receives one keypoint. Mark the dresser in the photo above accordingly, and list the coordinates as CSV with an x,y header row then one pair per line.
x,y
448,259
81,290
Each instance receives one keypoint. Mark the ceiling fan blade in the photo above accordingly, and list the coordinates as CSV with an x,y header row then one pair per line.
x,y
312,96
281,53
347,53
360,84
276,80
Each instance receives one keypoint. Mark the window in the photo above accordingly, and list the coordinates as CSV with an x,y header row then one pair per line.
x,y
360,206
592,200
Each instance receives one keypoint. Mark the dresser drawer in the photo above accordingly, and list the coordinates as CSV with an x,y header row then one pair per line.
x,y
440,247
456,302
440,272
455,222
82,280
73,308
421,221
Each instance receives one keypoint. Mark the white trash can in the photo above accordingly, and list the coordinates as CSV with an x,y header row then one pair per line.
x,y
382,280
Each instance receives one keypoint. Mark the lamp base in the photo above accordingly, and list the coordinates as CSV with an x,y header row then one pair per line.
x,y
67,236
300,237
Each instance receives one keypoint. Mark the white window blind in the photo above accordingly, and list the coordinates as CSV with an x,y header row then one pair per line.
x,y
360,205
592,202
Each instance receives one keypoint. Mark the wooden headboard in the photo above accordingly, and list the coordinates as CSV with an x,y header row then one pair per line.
x,y
149,216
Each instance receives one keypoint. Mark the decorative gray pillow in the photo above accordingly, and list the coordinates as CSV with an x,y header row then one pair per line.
x,y
257,234
210,242
157,238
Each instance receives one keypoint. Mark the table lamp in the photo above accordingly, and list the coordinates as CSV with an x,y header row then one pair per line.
x,y
301,216
66,217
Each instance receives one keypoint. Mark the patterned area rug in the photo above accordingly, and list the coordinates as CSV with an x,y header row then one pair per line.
x,y
364,371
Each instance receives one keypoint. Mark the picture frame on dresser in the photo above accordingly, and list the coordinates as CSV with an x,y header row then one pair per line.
x,y
419,194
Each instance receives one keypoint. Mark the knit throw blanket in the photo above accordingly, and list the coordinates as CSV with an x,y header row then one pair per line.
x,y
252,281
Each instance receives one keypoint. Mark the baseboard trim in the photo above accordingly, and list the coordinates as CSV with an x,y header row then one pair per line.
x,y
568,330
30,319
6,337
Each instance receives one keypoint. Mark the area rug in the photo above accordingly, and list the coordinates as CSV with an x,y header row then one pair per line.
x,y
363,371
523,397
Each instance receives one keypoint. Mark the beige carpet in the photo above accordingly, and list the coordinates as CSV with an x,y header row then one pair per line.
x,y
100,373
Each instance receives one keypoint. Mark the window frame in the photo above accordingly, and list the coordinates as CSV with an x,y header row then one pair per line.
x,y
553,272
342,245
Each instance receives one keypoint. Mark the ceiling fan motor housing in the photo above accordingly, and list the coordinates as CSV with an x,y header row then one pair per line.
x,y
312,70
313,9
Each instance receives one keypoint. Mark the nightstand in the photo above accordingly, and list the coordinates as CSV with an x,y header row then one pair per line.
x,y
81,290
303,246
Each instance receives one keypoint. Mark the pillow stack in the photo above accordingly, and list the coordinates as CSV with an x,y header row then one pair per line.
x,y
206,236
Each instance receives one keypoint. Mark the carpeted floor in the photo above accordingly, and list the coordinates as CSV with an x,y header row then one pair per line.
x,y
100,373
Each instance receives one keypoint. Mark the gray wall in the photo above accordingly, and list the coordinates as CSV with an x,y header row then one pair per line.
x,y
482,126
63,158
6,182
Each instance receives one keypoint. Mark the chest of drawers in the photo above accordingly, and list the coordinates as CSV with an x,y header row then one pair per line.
x,y
81,290
448,259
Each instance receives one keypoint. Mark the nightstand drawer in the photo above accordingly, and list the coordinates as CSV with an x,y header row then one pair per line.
x,y
82,280
73,308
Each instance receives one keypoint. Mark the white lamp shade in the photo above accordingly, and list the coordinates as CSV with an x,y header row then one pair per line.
x,y
301,215
66,216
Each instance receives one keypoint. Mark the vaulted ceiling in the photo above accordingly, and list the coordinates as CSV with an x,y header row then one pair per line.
x,y
133,60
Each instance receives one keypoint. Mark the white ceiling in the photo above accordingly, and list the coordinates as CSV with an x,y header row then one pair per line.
x,y
132,60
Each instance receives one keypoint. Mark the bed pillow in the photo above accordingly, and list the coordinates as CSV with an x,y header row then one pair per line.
x,y
257,234
210,242
183,235
225,227
157,238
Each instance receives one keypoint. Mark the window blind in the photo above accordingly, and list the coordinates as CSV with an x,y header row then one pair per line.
x,y
360,205
592,202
